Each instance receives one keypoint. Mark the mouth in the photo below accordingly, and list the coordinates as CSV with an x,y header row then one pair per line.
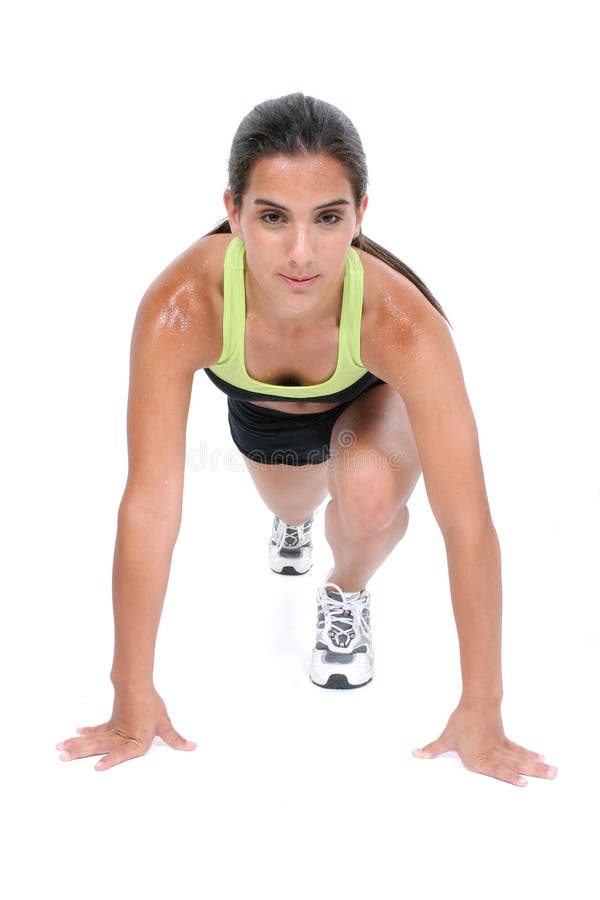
x,y
299,282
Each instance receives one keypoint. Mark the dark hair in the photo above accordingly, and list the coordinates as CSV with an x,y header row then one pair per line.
x,y
295,125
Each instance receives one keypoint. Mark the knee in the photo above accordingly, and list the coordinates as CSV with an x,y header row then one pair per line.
x,y
369,502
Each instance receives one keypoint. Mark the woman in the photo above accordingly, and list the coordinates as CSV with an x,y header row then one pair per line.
x,y
342,379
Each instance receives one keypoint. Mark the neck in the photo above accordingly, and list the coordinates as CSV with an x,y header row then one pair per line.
x,y
295,317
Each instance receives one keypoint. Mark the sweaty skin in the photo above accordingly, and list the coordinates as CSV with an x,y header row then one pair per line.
x,y
297,219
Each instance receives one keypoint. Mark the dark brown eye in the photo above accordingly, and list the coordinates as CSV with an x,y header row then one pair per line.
x,y
271,218
331,218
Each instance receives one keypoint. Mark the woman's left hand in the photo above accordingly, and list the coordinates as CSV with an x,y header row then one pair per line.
x,y
477,735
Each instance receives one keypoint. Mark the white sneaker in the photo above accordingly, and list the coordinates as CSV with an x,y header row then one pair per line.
x,y
290,547
343,655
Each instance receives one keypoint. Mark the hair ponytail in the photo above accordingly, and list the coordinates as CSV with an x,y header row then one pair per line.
x,y
369,246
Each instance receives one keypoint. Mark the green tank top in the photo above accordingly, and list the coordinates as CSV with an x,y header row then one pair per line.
x,y
230,374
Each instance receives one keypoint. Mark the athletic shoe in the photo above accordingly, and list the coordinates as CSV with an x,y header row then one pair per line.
x,y
290,548
343,655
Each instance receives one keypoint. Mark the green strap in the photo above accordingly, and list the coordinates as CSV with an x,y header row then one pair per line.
x,y
231,365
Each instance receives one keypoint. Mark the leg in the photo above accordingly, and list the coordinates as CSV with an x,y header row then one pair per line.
x,y
291,492
373,469
271,441
371,474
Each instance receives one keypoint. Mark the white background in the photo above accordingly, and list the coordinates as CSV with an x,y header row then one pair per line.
x,y
480,125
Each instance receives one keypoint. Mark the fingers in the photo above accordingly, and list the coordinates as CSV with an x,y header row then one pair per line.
x,y
117,745
90,745
516,748
506,770
174,739
435,748
484,765
506,761
88,730
94,729
528,763
499,771
128,750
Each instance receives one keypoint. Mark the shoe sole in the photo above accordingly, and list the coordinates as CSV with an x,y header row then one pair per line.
x,y
332,670
340,683
289,570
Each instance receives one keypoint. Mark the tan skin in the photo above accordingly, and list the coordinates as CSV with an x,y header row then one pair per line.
x,y
292,227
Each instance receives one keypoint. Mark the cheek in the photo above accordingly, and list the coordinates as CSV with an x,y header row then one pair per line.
x,y
261,249
258,261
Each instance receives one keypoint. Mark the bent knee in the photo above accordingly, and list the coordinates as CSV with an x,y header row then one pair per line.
x,y
369,503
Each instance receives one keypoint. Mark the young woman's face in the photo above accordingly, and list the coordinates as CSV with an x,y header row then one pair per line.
x,y
297,220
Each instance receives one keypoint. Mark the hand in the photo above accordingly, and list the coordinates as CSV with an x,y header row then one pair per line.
x,y
477,735
138,715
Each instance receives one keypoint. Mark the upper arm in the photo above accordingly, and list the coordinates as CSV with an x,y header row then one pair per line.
x,y
419,359
173,336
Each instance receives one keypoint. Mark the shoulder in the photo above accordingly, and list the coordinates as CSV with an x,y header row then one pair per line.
x,y
182,310
398,320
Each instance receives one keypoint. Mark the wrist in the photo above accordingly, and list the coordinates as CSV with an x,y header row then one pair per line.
x,y
129,683
486,700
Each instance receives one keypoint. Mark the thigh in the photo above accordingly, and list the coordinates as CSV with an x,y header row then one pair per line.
x,y
291,492
372,445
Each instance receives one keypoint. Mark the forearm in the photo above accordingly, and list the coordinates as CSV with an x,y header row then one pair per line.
x,y
474,568
142,561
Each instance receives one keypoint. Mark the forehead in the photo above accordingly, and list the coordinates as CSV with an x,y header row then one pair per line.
x,y
317,177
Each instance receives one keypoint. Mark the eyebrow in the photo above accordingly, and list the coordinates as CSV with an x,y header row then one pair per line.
x,y
339,202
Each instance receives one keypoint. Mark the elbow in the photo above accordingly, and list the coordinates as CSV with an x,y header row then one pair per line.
x,y
151,510
473,528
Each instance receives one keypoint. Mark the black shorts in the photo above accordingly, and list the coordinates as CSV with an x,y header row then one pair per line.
x,y
269,436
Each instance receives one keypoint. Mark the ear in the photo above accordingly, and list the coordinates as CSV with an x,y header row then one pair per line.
x,y
233,214
360,214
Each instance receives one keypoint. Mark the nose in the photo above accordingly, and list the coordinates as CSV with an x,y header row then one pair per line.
x,y
300,249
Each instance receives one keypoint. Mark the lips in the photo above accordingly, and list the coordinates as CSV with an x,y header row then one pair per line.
x,y
294,281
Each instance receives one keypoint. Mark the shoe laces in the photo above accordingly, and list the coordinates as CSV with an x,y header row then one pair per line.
x,y
290,536
344,614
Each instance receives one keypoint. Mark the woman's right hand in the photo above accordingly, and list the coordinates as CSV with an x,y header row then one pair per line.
x,y
138,716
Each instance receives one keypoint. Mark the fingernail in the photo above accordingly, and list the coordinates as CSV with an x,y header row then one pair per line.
x,y
522,782
79,730
552,770
64,755
60,746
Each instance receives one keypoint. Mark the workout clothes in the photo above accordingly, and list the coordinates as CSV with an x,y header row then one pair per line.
x,y
350,378
293,439
272,436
